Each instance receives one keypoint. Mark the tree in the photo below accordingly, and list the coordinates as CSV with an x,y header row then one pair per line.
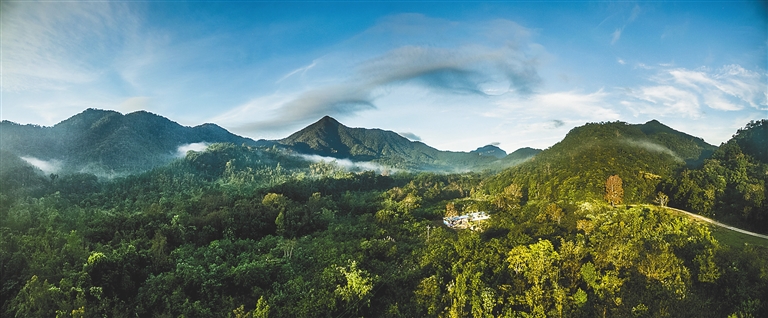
x,y
450,210
661,199
613,190
509,198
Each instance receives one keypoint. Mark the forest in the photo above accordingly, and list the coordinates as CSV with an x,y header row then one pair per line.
x,y
580,230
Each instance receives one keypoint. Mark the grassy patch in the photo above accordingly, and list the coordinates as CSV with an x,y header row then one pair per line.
x,y
735,239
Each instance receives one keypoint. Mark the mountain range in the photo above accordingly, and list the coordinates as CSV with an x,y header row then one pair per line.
x,y
109,143
329,138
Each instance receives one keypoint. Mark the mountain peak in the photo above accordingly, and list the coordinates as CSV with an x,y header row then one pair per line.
x,y
328,120
490,150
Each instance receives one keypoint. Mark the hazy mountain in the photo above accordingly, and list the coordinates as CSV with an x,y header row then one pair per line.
x,y
327,137
108,142
490,150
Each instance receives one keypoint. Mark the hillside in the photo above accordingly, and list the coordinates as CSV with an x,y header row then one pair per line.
x,y
731,186
577,167
108,142
246,231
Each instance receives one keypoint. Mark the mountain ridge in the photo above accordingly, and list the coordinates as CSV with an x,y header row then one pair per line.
x,y
328,137
108,142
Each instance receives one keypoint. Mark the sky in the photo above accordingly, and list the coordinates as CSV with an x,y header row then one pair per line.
x,y
455,75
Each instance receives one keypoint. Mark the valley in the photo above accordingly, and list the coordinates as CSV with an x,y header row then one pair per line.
x,y
333,221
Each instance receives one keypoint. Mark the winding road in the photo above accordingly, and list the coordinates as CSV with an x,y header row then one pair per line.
x,y
711,221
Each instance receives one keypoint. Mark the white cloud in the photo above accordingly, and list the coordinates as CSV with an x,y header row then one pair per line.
x,y
622,62
571,104
182,150
683,92
506,64
350,165
47,166
301,70
664,101
51,46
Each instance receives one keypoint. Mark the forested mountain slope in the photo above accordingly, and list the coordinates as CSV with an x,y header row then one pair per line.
x,y
731,186
238,231
108,142
577,167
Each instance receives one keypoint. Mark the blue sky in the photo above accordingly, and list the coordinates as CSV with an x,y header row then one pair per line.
x,y
455,75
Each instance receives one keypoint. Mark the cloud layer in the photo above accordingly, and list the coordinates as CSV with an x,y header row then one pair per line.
x,y
455,69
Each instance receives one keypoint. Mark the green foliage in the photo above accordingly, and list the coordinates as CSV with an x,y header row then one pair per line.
x,y
245,232
731,186
577,167
108,143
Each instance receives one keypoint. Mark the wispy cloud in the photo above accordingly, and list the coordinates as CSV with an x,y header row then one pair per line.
x,y
460,69
410,136
663,100
616,35
301,70
579,106
633,14
55,45
47,166
683,92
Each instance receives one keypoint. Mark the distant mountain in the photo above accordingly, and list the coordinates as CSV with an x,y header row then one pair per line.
x,y
490,150
327,137
108,142
578,166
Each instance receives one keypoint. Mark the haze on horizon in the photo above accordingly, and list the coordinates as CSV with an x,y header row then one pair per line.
x,y
455,76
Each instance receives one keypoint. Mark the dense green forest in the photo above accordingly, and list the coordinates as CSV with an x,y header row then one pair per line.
x,y
731,185
238,231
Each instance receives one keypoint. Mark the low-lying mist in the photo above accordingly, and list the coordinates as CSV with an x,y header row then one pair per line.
x,y
47,166
181,151
349,165
654,147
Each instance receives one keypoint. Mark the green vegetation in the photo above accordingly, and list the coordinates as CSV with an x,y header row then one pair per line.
x,y
108,143
239,231
730,186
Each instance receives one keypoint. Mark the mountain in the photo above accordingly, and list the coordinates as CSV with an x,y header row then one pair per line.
x,y
693,150
579,165
753,140
108,142
490,150
327,137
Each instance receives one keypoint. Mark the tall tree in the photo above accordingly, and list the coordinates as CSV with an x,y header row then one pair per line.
x,y
613,190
